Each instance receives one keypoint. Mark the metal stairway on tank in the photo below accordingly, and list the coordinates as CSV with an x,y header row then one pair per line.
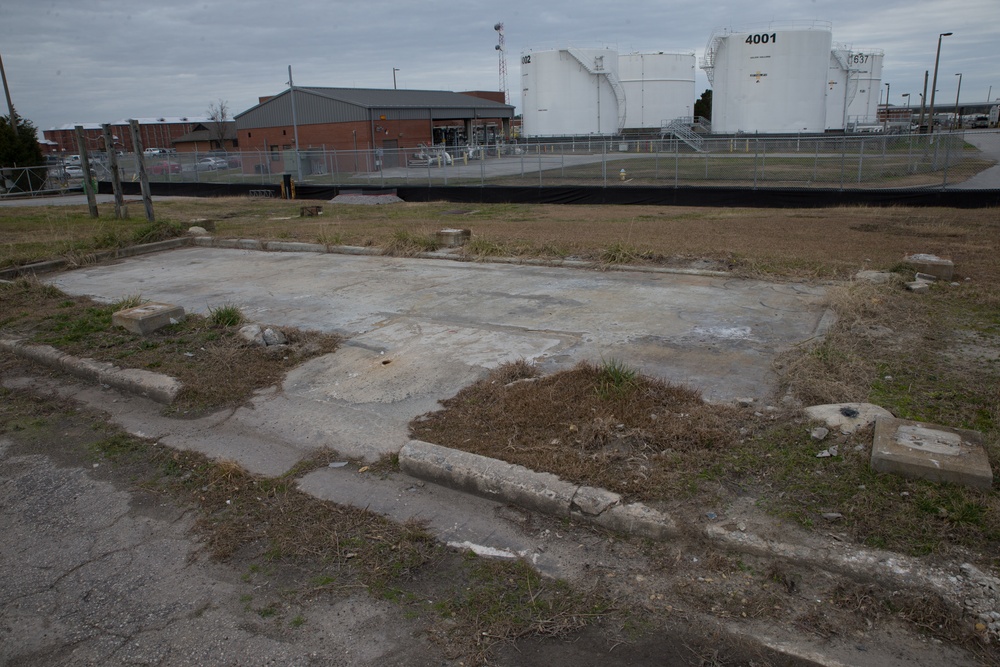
x,y
597,68
681,128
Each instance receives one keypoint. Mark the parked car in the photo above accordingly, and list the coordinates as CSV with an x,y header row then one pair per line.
x,y
215,162
232,159
165,168
200,165
74,171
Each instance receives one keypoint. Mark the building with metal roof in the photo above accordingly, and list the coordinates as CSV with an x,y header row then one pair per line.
x,y
360,119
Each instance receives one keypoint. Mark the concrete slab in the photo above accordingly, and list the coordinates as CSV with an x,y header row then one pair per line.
x,y
940,268
419,330
928,451
148,317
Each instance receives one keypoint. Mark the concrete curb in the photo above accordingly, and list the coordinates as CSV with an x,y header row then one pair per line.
x,y
57,264
544,492
290,246
154,386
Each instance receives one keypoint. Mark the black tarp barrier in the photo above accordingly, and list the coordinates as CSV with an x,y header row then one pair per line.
x,y
650,196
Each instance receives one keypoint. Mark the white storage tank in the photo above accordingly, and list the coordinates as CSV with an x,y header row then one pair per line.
x,y
571,91
866,79
839,89
771,79
658,87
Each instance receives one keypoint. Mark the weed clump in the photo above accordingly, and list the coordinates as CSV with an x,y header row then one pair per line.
x,y
228,315
405,243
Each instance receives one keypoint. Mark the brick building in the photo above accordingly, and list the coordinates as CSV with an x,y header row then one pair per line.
x,y
153,132
348,120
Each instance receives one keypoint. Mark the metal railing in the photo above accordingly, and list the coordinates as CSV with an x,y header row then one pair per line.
x,y
854,161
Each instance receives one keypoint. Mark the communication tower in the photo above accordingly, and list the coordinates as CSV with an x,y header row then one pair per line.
x,y
502,55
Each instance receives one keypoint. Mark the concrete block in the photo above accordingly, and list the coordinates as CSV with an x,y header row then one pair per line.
x,y
148,317
206,223
875,277
453,238
846,417
927,451
918,287
487,477
942,269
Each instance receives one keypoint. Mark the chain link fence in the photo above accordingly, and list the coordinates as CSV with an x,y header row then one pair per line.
x,y
856,161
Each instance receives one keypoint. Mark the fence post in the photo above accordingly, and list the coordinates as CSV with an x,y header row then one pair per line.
x,y
88,184
604,161
121,211
677,164
843,161
861,158
756,152
147,197
947,159
815,160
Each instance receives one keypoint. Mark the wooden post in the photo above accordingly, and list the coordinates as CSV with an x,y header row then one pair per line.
x,y
140,164
88,183
121,211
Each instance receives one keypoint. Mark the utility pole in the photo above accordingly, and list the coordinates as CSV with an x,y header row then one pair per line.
x,y
295,129
10,105
937,59
923,101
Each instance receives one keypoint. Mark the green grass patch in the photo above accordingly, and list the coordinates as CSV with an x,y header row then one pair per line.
x,y
227,315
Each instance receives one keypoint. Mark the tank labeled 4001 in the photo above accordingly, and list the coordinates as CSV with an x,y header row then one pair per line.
x,y
762,38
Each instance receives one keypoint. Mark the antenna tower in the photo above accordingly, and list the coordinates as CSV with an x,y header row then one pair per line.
x,y
502,55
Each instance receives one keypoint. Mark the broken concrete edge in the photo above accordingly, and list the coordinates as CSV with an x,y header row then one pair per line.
x,y
544,492
450,254
868,564
129,251
154,386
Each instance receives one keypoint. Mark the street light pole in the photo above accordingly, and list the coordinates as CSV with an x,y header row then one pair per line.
x,y
885,120
394,70
958,119
937,59
923,103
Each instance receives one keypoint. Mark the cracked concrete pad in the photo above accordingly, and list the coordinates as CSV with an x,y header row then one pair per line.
x,y
718,335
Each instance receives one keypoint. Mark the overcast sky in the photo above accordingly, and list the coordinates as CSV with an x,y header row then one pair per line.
x,y
93,61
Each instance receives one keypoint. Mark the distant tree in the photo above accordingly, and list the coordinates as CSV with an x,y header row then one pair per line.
x,y
703,106
218,115
19,148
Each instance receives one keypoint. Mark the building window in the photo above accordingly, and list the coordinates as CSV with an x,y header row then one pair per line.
x,y
274,154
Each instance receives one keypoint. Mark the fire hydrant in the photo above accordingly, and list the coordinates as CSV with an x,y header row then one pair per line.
x,y
622,175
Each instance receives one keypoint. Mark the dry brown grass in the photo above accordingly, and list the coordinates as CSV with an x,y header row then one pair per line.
x,y
640,441
801,243
215,366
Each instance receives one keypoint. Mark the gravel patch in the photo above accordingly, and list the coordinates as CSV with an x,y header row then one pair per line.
x,y
365,200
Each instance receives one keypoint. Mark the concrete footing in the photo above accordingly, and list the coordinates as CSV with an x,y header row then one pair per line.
x,y
927,451
148,317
